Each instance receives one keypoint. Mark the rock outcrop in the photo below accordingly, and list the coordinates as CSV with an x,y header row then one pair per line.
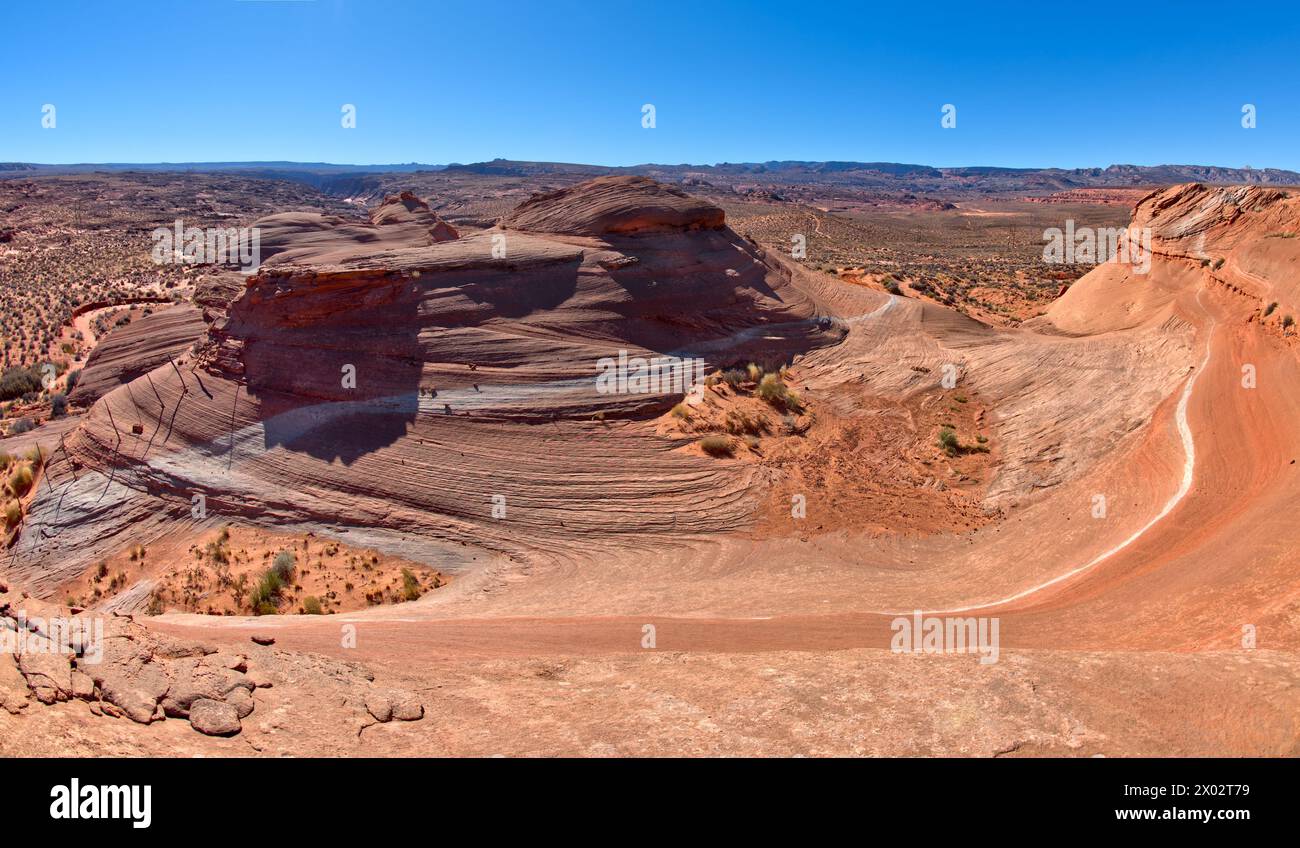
x,y
402,220
615,205
136,349
373,376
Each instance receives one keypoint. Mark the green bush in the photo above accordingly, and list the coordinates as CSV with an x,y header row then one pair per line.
x,y
282,567
948,441
17,382
311,605
734,377
265,598
410,586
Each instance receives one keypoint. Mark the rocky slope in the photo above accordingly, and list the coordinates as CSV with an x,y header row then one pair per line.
x,y
136,349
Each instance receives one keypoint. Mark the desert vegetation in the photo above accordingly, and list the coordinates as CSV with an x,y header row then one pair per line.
x,y
243,571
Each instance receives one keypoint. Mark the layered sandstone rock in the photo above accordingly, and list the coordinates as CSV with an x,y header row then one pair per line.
x,y
402,220
136,349
401,386
615,206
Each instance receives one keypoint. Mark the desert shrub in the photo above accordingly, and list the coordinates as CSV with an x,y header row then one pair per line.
x,y
1269,311
73,379
265,598
948,441
311,605
410,586
58,404
754,372
771,389
283,567
734,377
155,604
20,480
17,382
681,411
739,423
891,286
1288,321
13,514
1218,263
216,552
22,425
716,446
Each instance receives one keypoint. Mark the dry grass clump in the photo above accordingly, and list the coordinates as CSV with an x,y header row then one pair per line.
x,y
716,445
773,390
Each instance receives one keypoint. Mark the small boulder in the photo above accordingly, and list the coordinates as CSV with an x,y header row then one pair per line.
x,y
379,706
241,700
262,639
407,706
214,718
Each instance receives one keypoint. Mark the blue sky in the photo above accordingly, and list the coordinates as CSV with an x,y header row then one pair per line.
x,y
1041,84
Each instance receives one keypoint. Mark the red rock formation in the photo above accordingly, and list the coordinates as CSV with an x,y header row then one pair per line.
x,y
139,347
402,220
615,206
460,349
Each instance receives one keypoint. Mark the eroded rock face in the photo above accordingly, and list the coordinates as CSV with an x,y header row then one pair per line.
x,y
139,347
402,220
615,206
335,374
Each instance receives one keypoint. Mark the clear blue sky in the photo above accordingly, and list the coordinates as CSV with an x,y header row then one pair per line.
x,y
1039,84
